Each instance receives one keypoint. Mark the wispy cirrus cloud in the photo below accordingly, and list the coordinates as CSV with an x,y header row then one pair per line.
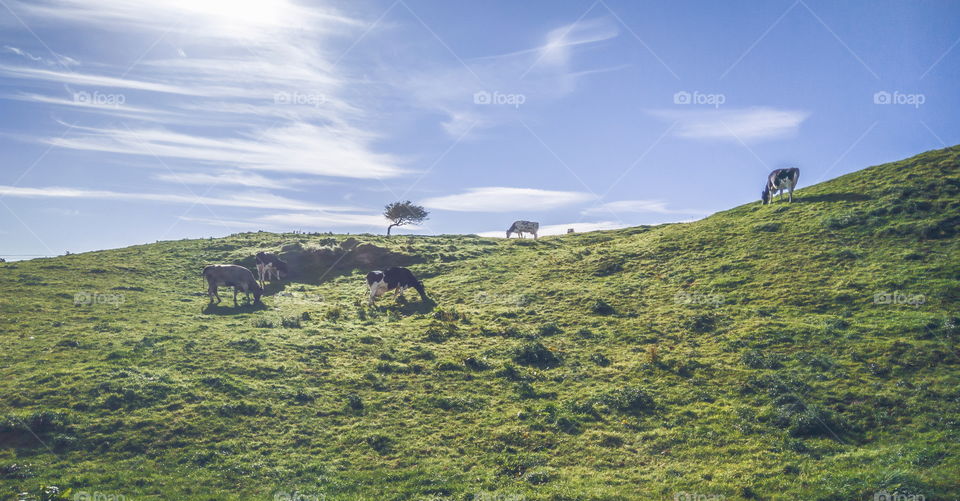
x,y
745,124
252,199
264,84
300,148
531,77
59,59
503,199
639,206
231,178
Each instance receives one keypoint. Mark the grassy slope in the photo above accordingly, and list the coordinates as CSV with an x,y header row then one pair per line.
x,y
744,356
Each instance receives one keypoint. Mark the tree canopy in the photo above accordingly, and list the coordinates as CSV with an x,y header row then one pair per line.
x,y
403,213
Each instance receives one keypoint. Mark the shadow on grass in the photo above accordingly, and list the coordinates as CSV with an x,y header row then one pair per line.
x,y
226,308
833,197
272,288
402,305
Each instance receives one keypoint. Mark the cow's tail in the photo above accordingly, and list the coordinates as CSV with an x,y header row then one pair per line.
x,y
423,293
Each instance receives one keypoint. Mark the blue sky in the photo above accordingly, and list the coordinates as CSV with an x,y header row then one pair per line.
x,y
126,124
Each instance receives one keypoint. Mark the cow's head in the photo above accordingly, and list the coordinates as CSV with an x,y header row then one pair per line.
x,y
765,196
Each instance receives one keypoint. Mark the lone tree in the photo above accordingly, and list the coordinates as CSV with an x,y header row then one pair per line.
x,y
402,213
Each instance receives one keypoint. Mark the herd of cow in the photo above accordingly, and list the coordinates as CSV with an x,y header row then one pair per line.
x,y
398,278
269,265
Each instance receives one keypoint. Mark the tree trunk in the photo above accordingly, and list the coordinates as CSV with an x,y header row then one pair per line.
x,y
391,226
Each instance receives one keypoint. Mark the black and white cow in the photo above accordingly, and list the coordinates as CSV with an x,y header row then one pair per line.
x,y
269,264
231,275
779,180
521,227
395,278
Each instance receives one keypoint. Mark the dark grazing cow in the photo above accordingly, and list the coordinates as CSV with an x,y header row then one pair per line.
x,y
395,278
779,180
521,227
269,264
231,275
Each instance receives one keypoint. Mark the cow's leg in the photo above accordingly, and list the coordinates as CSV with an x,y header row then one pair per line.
x,y
373,295
260,271
534,235
234,296
791,194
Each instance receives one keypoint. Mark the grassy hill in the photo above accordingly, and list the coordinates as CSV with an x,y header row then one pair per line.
x,y
802,351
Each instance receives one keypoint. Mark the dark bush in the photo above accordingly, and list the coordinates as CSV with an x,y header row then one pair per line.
x,y
601,307
756,359
630,399
535,354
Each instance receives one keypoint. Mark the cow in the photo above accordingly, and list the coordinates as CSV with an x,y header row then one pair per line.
x,y
521,227
779,180
231,275
394,278
269,264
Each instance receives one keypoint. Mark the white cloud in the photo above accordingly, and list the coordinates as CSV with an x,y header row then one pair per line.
x,y
263,74
734,124
248,199
230,177
299,148
500,199
534,76
320,220
639,206
309,221
59,59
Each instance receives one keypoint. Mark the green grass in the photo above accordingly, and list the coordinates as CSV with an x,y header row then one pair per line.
x,y
744,355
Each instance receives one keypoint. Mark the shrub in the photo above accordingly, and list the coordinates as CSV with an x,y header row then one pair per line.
x,y
476,363
439,332
263,323
600,359
354,402
535,354
333,313
290,322
630,399
601,307
756,359
241,409
510,372
380,443
548,329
